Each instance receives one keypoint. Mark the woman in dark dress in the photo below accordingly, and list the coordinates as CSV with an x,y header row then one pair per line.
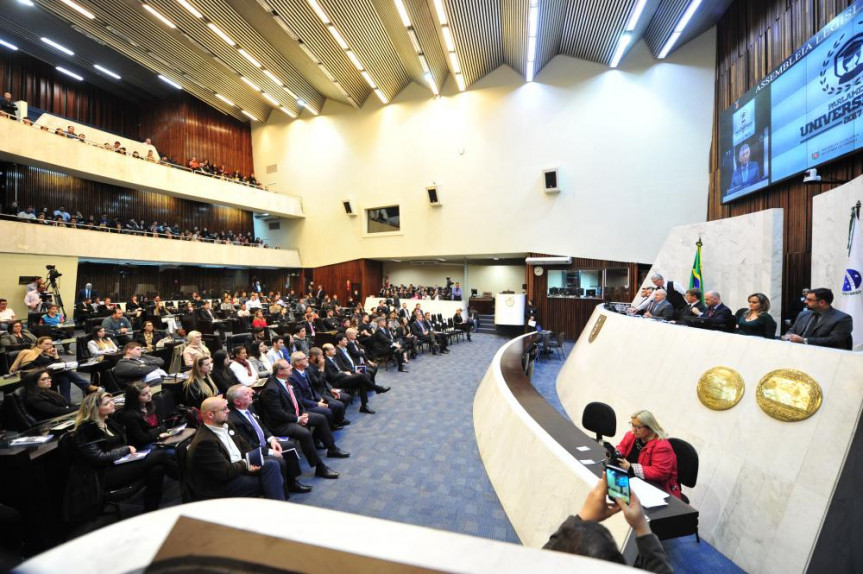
x,y
139,418
756,321
41,401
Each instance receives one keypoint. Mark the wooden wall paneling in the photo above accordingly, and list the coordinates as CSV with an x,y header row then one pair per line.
x,y
753,37
182,127
571,315
43,87
334,278
45,188
122,281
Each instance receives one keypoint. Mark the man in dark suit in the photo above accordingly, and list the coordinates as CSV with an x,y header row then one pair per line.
x,y
318,378
320,294
357,352
216,466
716,315
821,324
253,430
88,293
746,172
300,380
340,375
204,316
694,306
659,309
405,312
330,322
284,414
383,344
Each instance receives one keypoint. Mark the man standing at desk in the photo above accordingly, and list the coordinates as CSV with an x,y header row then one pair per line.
x,y
820,324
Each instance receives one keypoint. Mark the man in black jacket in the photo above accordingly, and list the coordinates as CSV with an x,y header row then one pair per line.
x,y
253,430
318,377
284,413
716,315
357,352
215,464
384,344
582,534
341,374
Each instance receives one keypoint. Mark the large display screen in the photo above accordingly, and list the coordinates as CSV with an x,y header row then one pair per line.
x,y
806,112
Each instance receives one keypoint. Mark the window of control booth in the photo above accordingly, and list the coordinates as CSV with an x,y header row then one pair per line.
x,y
576,283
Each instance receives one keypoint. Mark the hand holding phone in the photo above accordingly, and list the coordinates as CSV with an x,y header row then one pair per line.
x,y
617,481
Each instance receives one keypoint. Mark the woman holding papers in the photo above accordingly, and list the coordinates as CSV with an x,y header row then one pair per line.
x,y
103,457
648,455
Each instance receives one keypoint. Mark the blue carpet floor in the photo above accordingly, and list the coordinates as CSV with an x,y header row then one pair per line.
x,y
686,555
416,460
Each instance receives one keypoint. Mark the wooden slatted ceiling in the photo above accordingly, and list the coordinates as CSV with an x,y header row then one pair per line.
x,y
668,14
157,49
476,27
312,32
247,37
593,28
423,20
361,27
487,33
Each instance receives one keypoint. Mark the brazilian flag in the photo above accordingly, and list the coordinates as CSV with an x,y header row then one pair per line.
x,y
695,277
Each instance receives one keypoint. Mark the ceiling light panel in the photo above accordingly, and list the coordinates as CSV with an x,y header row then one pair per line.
x,y
79,9
418,55
58,47
107,72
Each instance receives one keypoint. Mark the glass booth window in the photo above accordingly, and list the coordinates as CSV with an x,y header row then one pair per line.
x,y
583,283
383,219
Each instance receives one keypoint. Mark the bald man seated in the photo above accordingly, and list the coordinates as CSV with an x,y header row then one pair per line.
x,y
216,466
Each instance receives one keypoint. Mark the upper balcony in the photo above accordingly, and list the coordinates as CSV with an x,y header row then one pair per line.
x,y
22,143
20,236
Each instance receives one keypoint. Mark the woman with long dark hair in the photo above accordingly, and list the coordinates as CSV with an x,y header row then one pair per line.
x,y
138,417
41,400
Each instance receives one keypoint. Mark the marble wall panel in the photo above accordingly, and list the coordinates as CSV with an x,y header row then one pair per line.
x,y
762,482
740,256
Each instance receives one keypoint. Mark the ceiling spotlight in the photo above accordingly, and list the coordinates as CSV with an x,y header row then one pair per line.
x,y
107,72
250,83
159,17
226,100
68,73
216,30
170,82
249,57
57,46
190,8
77,8
250,116
8,45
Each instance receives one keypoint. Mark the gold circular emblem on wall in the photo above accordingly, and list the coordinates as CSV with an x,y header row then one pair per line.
x,y
510,301
720,388
788,395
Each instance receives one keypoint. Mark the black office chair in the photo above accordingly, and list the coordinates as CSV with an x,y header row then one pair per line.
x,y
556,343
599,418
13,412
687,469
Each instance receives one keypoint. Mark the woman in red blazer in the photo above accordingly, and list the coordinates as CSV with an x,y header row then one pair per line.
x,y
648,455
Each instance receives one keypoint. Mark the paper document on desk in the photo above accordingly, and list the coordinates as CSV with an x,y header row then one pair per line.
x,y
649,495
132,457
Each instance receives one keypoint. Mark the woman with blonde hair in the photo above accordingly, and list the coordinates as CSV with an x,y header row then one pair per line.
x,y
200,386
195,348
99,441
44,354
647,453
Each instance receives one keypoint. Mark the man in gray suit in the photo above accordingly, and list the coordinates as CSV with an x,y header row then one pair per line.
x,y
821,324
660,308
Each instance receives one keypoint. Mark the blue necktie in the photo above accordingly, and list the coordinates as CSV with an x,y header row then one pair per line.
x,y
257,427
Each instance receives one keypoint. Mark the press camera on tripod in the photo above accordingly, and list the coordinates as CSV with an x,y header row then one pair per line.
x,y
54,296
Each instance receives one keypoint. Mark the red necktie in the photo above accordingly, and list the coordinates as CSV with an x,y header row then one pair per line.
x,y
293,398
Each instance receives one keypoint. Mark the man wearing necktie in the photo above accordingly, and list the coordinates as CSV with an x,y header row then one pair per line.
x,y
334,410
821,324
284,413
357,354
384,345
257,435
87,293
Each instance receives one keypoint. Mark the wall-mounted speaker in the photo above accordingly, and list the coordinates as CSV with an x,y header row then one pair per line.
x,y
434,200
349,207
550,180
